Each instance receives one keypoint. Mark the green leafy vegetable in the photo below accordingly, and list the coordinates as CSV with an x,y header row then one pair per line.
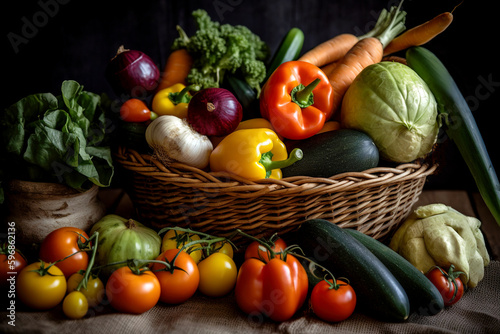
x,y
57,139
223,48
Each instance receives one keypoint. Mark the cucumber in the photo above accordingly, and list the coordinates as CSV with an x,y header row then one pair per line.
x,y
245,94
459,124
378,292
424,297
289,49
333,152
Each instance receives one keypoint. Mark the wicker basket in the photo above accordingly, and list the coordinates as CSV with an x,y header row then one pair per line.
x,y
374,202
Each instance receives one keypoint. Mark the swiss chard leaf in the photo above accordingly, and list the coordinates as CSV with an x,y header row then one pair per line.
x,y
59,137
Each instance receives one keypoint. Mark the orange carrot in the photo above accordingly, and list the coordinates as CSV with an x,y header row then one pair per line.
x,y
327,69
330,50
420,34
365,52
176,68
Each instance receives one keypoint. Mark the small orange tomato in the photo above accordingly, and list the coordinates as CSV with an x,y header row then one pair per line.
x,y
179,284
131,292
65,242
135,110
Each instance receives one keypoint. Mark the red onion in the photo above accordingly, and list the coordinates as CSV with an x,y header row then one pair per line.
x,y
132,73
214,112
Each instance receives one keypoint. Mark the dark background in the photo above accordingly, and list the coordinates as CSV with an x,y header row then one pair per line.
x,y
75,39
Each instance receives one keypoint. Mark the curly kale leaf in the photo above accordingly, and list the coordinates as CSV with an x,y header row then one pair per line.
x,y
219,49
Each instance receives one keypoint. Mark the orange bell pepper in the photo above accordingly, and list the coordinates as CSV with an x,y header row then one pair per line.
x,y
297,111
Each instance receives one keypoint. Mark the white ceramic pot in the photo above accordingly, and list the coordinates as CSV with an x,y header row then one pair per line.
x,y
38,208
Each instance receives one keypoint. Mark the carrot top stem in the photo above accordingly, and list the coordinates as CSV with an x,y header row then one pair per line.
x,y
389,25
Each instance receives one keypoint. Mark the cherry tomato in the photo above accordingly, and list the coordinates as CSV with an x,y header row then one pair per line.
x,y
61,243
135,110
217,275
38,291
448,284
177,239
94,291
75,305
180,284
12,261
256,250
133,293
333,302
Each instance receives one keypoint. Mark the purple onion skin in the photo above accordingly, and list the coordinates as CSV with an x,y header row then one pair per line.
x,y
214,112
132,73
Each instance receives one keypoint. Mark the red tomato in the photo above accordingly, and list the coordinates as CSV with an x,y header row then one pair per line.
x,y
448,284
61,243
135,110
333,302
178,285
12,261
257,251
133,293
276,289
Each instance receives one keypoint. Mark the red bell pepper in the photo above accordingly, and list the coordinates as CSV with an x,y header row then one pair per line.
x,y
276,289
297,99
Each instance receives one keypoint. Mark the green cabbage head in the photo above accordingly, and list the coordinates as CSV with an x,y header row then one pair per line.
x,y
395,107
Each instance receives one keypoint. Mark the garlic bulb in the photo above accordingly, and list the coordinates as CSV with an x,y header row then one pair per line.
x,y
172,139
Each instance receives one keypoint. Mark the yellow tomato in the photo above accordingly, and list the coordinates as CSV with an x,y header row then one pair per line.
x,y
94,291
218,274
39,288
222,247
177,239
75,305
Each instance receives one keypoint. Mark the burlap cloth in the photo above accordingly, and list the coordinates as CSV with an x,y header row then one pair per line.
x,y
477,312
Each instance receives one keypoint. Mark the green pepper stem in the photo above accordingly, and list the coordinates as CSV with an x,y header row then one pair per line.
x,y
182,96
295,156
304,96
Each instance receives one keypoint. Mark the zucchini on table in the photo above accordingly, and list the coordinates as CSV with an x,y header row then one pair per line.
x,y
377,290
459,124
425,299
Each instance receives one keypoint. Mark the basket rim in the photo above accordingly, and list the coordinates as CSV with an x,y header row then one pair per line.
x,y
188,176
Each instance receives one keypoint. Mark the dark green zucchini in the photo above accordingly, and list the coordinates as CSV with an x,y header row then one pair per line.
x,y
289,49
333,152
459,124
378,292
424,297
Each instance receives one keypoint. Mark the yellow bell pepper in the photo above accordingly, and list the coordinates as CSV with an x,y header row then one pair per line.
x,y
255,123
254,154
173,100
